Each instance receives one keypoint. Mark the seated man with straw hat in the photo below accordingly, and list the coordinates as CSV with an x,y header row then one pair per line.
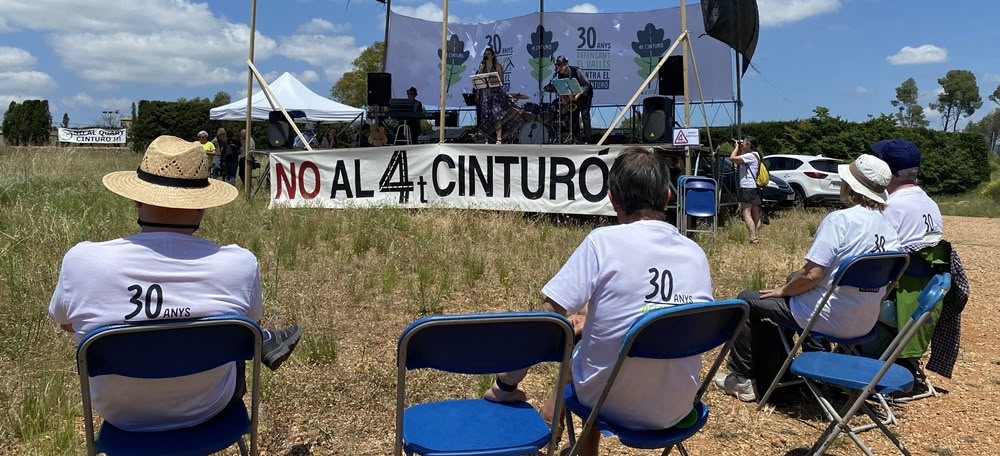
x,y
193,277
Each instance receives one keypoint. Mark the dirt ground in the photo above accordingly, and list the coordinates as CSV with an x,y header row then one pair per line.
x,y
959,422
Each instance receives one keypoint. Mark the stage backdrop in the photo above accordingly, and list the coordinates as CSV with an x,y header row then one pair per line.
x,y
550,178
617,51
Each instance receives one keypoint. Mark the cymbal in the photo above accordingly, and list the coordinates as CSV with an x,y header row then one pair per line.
x,y
519,96
549,88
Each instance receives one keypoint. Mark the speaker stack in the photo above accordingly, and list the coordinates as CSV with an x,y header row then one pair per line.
x,y
657,119
379,89
671,76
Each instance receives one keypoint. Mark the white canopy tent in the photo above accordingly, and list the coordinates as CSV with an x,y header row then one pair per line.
x,y
293,96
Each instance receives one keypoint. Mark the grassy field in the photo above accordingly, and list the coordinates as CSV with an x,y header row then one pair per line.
x,y
354,279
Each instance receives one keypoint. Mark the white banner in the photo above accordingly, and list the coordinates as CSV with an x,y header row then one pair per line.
x,y
552,178
616,50
92,135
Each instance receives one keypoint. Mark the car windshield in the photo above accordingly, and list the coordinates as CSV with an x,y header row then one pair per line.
x,y
827,166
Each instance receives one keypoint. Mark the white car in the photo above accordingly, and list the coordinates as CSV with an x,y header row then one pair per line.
x,y
813,178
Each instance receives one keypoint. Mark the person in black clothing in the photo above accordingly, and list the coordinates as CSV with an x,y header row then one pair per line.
x,y
414,124
582,100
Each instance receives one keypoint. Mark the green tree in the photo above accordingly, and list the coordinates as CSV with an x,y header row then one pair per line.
x,y
65,121
28,123
352,88
911,114
135,115
995,97
960,97
988,127
221,98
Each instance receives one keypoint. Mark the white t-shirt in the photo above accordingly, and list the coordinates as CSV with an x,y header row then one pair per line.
x,y
850,312
913,215
624,271
103,283
748,170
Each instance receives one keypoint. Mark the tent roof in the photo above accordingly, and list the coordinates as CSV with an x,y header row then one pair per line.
x,y
293,96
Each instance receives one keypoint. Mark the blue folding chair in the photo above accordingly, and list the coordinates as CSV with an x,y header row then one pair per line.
x,y
869,271
194,346
668,333
697,197
864,376
479,344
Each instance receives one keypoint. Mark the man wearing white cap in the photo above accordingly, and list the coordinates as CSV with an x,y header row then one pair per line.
x,y
850,312
190,277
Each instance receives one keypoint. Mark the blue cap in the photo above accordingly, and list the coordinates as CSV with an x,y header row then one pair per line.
x,y
899,154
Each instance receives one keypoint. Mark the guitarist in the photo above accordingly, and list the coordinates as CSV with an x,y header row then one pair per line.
x,y
582,99
376,134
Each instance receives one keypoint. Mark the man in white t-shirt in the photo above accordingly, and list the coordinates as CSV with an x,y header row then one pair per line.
x,y
850,312
615,275
914,215
161,273
747,160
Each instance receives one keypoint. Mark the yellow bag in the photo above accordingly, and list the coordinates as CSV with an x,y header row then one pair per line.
x,y
763,177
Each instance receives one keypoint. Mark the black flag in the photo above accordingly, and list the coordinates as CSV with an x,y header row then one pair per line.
x,y
734,22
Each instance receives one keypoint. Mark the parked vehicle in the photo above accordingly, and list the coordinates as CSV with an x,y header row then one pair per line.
x,y
813,178
777,195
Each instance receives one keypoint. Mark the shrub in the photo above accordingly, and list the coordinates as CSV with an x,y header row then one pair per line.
x,y
992,191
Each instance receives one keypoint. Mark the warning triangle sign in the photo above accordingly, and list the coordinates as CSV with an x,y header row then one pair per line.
x,y
680,139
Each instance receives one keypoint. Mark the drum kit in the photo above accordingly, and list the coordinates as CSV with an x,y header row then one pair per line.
x,y
539,123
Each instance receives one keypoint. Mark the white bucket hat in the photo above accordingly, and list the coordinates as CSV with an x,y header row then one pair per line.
x,y
174,174
867,175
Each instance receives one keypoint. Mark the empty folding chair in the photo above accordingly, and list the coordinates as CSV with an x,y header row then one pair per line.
x,y
192,346
868,271
697,198
669,333
863,376
479,344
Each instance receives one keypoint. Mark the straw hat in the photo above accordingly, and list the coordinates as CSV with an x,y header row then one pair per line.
x,y
867,175
174,174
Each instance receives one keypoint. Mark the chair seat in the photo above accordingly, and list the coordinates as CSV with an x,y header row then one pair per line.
x,y
473,427
648,440
840,340
216,434
851,371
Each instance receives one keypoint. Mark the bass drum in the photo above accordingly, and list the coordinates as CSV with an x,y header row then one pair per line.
x,y
535,132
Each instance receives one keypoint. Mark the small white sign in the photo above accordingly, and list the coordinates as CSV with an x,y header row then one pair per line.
x,y
686,137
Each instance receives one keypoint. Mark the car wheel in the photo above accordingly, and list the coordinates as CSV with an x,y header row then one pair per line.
x,y
800,199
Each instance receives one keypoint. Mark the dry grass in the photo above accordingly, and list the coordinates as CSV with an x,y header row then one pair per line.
x,y
356,278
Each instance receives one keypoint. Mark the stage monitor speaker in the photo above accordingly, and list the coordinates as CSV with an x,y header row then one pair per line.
x,y
379,89
278,135
671,76
657,119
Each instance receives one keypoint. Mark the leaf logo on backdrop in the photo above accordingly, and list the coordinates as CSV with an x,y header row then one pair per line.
x,y
541,48
454,63
649,47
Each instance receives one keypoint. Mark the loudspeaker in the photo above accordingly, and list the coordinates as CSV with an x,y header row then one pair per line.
x,y
671,76
657,119
379,89
279,133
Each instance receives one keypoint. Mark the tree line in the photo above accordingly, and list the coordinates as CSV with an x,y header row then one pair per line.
x,y
959,97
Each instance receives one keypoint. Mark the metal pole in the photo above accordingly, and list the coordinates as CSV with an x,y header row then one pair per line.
x,y
385,43
541,95
687,93
739,97
444,62
247,170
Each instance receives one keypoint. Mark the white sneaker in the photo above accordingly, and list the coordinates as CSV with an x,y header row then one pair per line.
x,y
736,385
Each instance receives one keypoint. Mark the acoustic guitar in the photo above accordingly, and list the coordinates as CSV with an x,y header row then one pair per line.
x,y
376,136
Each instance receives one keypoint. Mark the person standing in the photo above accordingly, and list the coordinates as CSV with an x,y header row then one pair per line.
x,y
414,124
209,148
745,154
246,146
580,101
495,106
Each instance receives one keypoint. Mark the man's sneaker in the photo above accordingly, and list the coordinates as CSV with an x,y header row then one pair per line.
x,y
736,385
278,345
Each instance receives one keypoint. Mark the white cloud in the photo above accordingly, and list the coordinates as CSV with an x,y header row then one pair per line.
x,y
16,59
79,99
23,85
427,11
780,12
583,8
861,91
5,28
927,53
307,77
318,26
166,42
333,54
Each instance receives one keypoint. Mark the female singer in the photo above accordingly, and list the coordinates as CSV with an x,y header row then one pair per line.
x,y
494,103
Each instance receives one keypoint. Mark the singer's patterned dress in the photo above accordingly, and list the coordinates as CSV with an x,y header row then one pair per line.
x,y
495,107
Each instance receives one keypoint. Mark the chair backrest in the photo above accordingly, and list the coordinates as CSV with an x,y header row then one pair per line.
x,y
684,330
698,196
871,270
137,350
933,293
484,343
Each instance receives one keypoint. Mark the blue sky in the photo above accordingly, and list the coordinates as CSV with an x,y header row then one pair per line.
x,y
86,56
